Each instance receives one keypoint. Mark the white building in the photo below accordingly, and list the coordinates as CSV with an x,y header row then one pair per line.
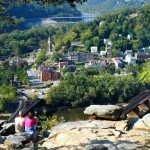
x,y
130,52
103,53
129,59
101,22
93,49
107,42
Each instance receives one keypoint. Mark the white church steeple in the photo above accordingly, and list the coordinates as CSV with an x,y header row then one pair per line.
x,y
49,44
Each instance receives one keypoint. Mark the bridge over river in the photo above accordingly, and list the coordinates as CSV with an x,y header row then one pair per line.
x,y
59,20
74,17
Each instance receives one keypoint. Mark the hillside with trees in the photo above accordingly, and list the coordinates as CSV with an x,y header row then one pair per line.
x,y
116,26
37,11
108,6
14,14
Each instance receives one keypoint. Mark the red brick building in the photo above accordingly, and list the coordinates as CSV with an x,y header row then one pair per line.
x,y
47,73
63,64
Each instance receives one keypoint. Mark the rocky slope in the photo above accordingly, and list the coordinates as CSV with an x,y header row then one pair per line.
x,y
98,134
87,135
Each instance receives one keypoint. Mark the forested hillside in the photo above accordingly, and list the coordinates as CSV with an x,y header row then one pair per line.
x,y
107,6
116,26
37,11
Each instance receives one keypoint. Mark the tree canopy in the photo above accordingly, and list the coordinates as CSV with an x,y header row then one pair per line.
x,y
6,4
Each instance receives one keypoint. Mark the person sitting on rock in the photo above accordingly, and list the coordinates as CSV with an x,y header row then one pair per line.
x,y
19,122
30,125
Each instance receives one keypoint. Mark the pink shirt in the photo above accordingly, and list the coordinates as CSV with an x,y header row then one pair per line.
x,y
29,122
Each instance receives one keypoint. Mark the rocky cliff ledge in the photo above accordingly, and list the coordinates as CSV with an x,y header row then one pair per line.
x,y
87,135
96,135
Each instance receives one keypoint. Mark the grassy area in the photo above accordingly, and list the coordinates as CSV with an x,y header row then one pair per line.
x,y
32,95
105,58
80,66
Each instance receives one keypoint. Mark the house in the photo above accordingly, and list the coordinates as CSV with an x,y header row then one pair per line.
x,y
101,22
103,53
129,36
72,56
85,57
141,58
128,52
77,45
108,42
142,54
118,62
72,68
17,61
63,64
129,59
93,64
108,50
16,81
77,57
47,73
121,54
94,49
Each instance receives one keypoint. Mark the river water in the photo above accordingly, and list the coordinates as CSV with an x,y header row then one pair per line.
x,y
68,114
86,15
72,114
47,21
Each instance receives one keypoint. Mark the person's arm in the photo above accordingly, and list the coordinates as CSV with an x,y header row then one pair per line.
x,y
24,122
36,121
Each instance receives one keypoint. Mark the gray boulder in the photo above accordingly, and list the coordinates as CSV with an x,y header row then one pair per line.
x,y
16,141
110,112
2,139
47,133
95,147
146,119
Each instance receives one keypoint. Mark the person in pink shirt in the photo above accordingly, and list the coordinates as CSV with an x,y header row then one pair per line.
x,y
30,123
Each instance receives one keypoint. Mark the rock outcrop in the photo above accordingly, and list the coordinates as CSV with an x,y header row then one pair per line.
x,y
90,135
110,112
143,123
86,135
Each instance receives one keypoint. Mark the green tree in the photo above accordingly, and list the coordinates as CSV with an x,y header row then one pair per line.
x,y
65,70
118,70
96,41
115,53
41,57
56,56
87,45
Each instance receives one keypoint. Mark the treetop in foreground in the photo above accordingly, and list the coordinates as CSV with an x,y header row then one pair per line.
x,y
41,2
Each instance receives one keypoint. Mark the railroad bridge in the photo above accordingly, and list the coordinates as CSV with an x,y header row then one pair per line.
x,y
138,106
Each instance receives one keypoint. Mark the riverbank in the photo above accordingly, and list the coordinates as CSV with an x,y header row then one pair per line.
x,y
4,116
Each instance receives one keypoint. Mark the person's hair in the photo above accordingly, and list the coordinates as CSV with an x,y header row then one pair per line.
x,y
21,112
30,114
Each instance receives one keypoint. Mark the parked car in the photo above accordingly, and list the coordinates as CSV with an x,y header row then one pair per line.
x,y
41,93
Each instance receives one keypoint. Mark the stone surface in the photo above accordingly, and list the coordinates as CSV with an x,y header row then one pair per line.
x,y
146,120
111,112
47,133
2,139
95,147
127,145
140,125
73,135
81,124
16,141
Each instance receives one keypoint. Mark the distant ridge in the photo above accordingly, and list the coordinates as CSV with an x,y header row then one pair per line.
x,y
108,6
